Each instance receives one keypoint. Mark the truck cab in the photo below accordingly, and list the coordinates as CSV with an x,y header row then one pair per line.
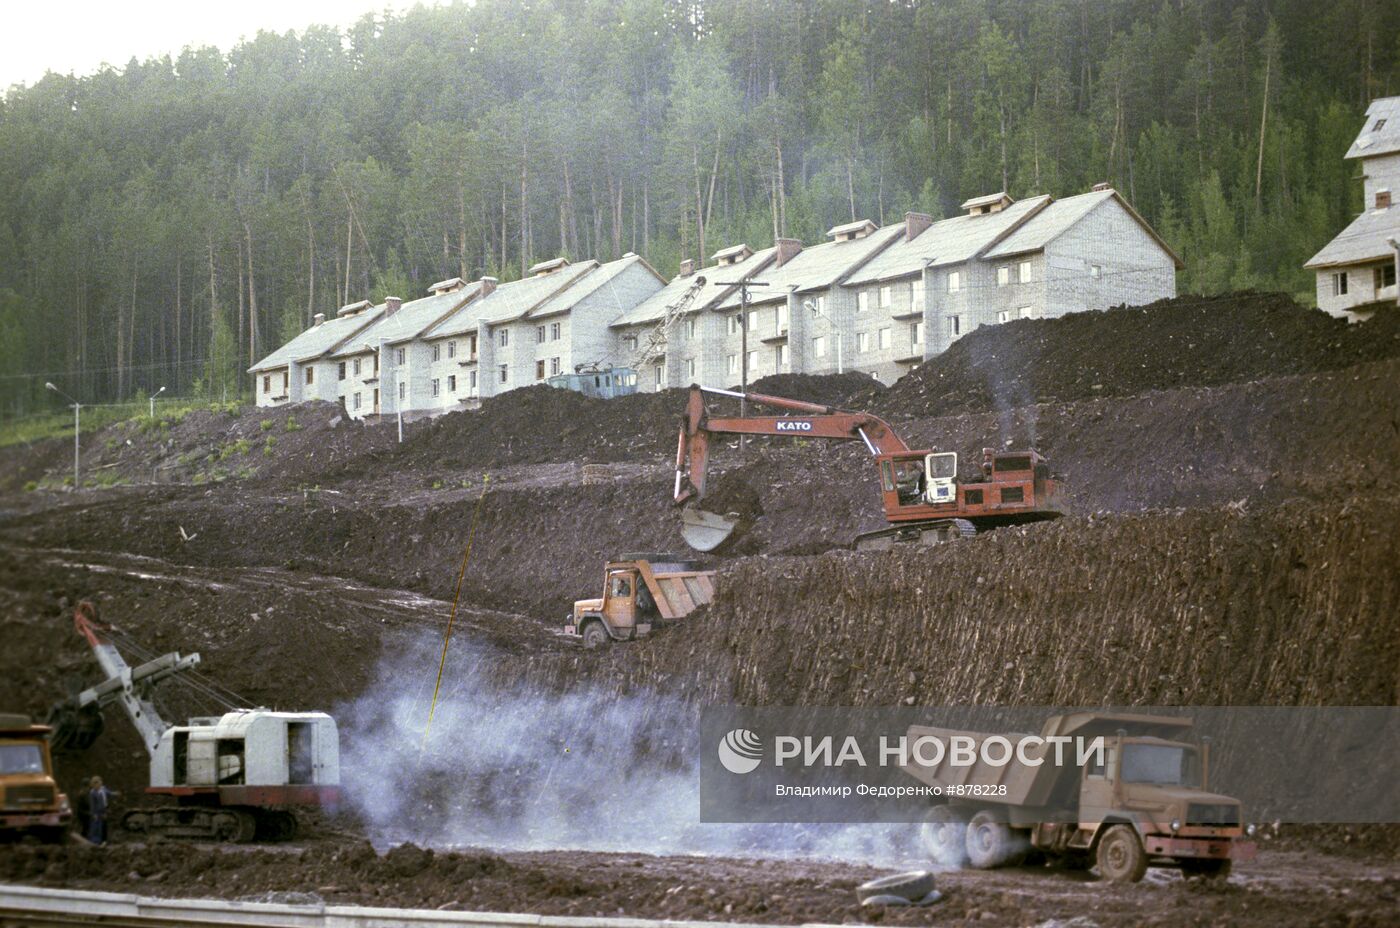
x,y
639,593
30,800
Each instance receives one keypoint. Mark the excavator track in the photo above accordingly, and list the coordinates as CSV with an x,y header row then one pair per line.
x,y
230,824
929,533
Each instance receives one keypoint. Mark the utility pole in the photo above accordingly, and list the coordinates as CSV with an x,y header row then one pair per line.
x,y
77,422
744,286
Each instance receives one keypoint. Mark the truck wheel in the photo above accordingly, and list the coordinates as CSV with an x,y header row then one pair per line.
x,y
944,836
1121,857
1206,869
594,635
990,842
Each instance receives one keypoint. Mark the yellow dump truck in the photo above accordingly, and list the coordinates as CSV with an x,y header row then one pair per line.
x,y
640,593
1142,801
30,801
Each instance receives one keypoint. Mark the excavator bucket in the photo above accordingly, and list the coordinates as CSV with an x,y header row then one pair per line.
x,y
705,531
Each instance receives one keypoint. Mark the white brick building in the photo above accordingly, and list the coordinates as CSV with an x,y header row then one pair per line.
x,y
1356,271
297,372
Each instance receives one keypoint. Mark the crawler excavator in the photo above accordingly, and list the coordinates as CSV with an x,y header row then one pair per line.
x,y
234,777
925,501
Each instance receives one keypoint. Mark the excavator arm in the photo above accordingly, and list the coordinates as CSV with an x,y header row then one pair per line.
x,y
705,531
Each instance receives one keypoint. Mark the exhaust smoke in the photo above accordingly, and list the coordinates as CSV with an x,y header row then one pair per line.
x,y
584,768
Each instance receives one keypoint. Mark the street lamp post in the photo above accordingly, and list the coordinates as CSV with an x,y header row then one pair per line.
x,y
153,401
77,420
744,286
831,325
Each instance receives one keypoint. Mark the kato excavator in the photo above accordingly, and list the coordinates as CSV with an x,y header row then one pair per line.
x,y
235,777
925,501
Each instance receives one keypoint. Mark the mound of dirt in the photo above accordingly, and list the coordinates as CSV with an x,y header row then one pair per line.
x,y
839,390
1186,341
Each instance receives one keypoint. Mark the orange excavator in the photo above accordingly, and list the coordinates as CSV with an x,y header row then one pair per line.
x,y
925,501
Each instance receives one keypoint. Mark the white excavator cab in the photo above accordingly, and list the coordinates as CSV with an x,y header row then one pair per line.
x,y
941,477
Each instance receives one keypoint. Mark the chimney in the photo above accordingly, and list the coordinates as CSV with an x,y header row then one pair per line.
x,y
687,267
317,319
391,305
915,224
488,285
787,250
1102,186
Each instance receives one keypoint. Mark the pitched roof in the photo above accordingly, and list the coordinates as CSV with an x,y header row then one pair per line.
x,y
1059,217
410,321
1365,239
509,301
654,307
949,241
319,339
1381,133
820,266
588,284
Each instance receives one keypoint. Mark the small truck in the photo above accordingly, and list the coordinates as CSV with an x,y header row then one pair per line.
x,y
1147,804
640,592
31,803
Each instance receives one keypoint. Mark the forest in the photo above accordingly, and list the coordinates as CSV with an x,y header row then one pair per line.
x,y
165,222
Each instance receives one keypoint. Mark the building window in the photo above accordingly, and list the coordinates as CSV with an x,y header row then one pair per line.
x,y
1095,271
471,345
883,339
539,335
357,401
862,301
553,366
916,333
782,356
690,328
1339,284
753,361
539,370
1025,312
398,358
1003,275
471,380
1380,124
503,339
310,374
630,342
340,371
782,320
452,349
753,320
954,281
375,359
451,383
1025,272
862,342
1004,316
555,330
505,373
660,372
437,352
885,294
286,376
437,387
357,371
1385,275
1382,199
819,346
821,304
731,363
955,325
733,324
403,390
267,383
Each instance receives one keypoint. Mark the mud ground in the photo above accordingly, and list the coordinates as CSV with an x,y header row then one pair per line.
x,y
1242,491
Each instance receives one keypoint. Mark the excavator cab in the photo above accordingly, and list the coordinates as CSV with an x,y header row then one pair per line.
x,y
941,469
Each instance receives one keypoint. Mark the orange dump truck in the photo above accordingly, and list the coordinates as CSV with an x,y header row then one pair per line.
x,y
30,801
640,593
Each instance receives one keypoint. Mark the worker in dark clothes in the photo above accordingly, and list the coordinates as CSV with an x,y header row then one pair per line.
x,y
99,805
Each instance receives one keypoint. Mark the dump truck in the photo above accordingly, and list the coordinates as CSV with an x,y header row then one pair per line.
x,y
926,499
234,777
1143,801
31,803
640,592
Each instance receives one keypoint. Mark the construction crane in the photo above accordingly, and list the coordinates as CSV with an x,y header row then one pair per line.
x,y
652,343
234,777
924,499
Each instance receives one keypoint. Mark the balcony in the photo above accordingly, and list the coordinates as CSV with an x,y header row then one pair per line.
x,y
915,311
